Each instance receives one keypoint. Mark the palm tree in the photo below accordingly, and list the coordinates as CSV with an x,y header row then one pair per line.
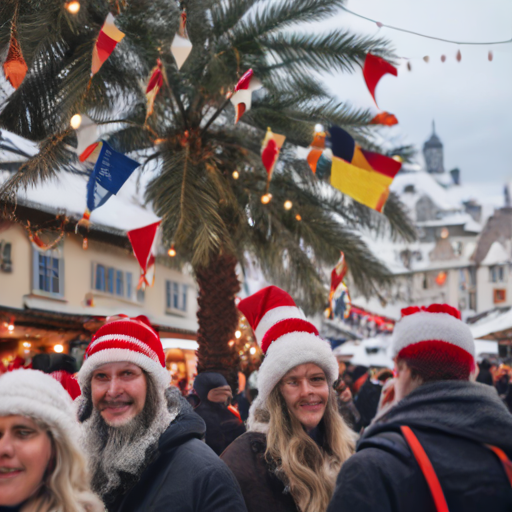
x,y
207,177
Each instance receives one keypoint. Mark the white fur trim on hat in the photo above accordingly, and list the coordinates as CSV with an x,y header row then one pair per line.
x,y
291,350
160,374
426,326
38,396
275,315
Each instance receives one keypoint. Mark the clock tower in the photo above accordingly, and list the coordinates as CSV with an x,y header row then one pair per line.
x,y
433,153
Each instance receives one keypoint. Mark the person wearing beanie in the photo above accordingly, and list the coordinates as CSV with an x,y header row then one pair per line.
x,y
145,447
445,445
42,467
61,367
296,440
222,426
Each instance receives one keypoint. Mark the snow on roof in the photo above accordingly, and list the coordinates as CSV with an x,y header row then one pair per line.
x,y
68,192
497,254
496,321
372,352
424,184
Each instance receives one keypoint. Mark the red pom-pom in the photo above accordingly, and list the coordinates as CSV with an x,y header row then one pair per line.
x,y
411,310
444,308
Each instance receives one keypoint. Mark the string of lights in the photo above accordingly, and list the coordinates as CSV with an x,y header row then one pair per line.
x,y
381,25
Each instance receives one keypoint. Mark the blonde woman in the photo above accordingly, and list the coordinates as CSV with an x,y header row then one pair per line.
x,y
296,441
41,466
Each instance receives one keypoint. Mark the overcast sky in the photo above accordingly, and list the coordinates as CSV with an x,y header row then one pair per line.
x,y
471,101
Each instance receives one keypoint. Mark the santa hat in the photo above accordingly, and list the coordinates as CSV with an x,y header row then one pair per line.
x,y
435,342
38,396
130,340
286,338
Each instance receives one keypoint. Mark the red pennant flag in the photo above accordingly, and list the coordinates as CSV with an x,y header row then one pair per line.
x,y
154,85
338,274
143,245
385,118
374,69
107,40
270,151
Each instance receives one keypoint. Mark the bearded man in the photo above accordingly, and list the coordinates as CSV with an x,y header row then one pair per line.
x,y
144,444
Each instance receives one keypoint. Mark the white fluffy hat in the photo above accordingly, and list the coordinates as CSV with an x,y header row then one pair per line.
x,y
286,338
39,396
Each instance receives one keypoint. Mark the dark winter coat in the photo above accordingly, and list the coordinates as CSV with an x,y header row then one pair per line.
x,y
222,426
367,401
186,476
263,491
452,421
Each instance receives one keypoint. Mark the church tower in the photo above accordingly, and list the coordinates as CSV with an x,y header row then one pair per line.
x,y
433,153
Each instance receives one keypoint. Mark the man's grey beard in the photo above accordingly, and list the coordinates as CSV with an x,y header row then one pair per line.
x,y
119,455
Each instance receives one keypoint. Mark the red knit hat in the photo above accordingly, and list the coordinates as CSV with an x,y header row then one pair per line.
x,y
286,338
127,340
435,342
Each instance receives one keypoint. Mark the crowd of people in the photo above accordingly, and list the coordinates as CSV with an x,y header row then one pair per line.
x,y
426,437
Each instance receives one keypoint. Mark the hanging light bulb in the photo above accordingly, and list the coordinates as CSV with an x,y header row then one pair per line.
x,y
319,128
172,251
76,121
10,327
238,334
265,199
231,343
288,205
252,350
72,7
58,348
236,175
459,56
298,217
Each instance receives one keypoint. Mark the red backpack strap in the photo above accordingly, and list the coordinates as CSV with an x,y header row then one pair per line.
x,y
426,468
507,465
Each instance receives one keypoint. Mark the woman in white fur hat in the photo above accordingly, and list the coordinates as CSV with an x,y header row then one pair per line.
x,y
41,466
296,440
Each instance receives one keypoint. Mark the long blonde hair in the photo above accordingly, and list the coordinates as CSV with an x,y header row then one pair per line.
x,y
66,487
308,470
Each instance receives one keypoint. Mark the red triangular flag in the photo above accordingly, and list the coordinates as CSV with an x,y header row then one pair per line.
x,y
142,240
374,69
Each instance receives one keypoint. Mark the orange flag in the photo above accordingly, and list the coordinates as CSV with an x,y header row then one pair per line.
x,y
317,148
15,67
384,118
107,40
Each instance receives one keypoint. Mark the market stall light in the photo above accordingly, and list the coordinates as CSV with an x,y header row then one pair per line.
x,y
73,7
172,251
265,199
231,343
58,348
288,205
10,327
238,334
298,217
445,233
27,344
319,128
76,121
253,350
235,175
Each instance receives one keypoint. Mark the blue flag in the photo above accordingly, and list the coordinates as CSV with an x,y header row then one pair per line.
x,y
111,170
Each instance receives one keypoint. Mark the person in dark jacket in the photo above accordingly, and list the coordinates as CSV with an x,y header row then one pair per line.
x,y
297,441
484,375
222,426
145,444
459,427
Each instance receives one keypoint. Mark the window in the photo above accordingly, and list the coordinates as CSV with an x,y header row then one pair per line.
x,y
500,296
5,256
497,274
114,282
48,272
176,296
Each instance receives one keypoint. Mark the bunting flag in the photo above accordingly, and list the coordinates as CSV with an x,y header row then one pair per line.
x,y
107,40
181,45
270,149
317,148
15,67
385,118
374,69
337,275
242,95
143,242
363,175
154,85
110,171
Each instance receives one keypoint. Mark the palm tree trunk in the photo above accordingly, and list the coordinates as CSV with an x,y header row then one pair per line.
x,y
218,318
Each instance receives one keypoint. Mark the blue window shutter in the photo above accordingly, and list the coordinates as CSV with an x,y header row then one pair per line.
x,y
129,290
35,269
61,277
